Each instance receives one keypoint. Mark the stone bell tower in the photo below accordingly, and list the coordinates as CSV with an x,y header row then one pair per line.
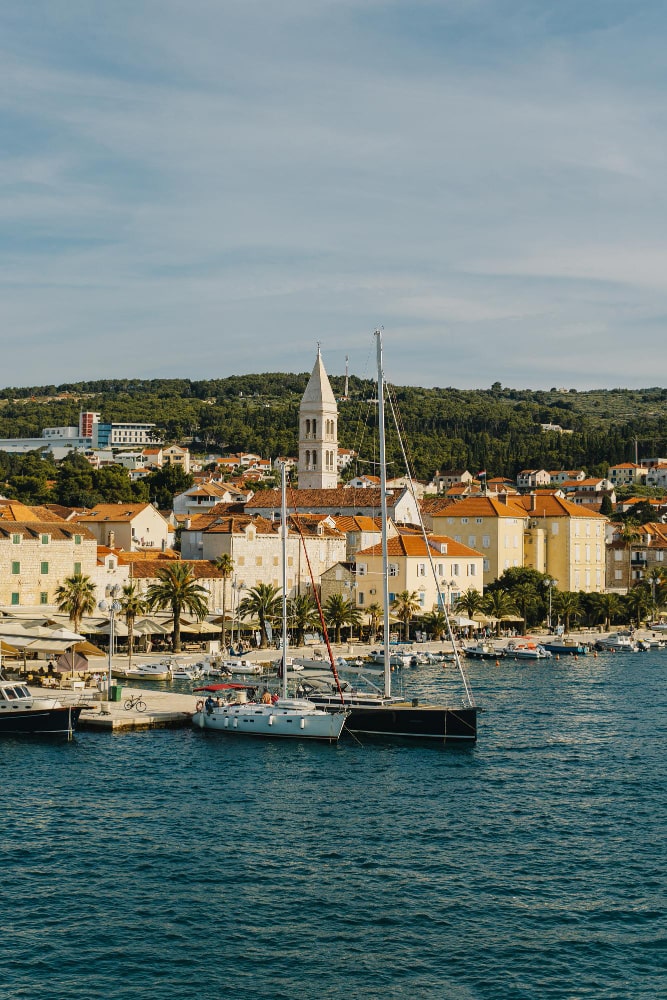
x,y
318,432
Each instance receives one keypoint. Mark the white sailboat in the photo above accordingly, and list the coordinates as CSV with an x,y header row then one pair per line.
x,y
284,718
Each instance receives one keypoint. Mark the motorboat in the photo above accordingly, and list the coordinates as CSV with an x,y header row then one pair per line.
x,y
565,647
397,658
617,642
241,667
481,651
526,649
144,672
21,713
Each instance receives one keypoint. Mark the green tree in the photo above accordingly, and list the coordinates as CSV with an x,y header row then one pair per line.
x,y
339,611
375,614
167,483
470,603
405,607
178,590
499,604
76,598
606,607
74,487
607,507
567,605
225,564
435,622
263,603
302,615
132,604
638,601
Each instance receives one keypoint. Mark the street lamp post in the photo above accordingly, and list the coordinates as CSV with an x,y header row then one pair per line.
x,y
112,607
550,584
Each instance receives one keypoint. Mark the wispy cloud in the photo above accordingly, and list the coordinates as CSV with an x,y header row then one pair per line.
x,y
213,188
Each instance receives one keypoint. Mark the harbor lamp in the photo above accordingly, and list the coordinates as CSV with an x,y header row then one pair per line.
x,y
111,606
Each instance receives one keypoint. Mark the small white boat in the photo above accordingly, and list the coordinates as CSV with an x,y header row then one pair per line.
x,y
241,668
526,649
481,651
617,642
144,672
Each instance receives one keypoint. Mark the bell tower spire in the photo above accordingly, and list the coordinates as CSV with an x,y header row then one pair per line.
x,y
318,432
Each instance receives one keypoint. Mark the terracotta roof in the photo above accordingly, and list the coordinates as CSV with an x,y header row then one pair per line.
x,y
362,522
342,497
310,524
58,530
14,510
549,504
146,569
485,506
414,546
113,512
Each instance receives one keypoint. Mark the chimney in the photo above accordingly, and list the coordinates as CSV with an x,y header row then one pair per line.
x,y
533,501
188,523
111,539
502,497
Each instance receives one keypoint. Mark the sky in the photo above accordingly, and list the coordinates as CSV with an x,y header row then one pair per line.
x,y
203,189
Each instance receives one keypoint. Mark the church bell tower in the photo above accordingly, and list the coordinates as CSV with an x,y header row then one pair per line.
x,y
318,432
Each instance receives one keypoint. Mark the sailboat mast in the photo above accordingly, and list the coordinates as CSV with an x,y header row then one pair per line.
x,y
283,529
383,512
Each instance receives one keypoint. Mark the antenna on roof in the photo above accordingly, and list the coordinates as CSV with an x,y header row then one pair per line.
x,y
345,393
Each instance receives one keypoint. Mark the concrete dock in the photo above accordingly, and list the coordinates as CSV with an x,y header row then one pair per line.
x,y
164,710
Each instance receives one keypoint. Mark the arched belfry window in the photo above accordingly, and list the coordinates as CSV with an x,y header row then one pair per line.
x,y
314,428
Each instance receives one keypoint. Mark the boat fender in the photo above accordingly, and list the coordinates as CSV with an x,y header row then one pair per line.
x,y
199,705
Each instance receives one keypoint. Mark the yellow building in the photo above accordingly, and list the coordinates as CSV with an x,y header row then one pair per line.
x,y
492,525
565,540
457,567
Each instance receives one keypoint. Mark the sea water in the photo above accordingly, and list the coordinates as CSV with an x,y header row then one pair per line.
x,y
177,863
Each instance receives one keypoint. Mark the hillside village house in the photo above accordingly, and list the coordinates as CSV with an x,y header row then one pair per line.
x,y
255,547
37,552
458,568
627,474
204,497
566,476
528,479
451,477
129,526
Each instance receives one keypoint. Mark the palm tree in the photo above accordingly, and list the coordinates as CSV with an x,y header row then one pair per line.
x,y
607,607
375,614
339,611
302,614
264,602
76,597
638,601
405,606
225,564
499,604
656,578
526,599
471,602
567,605
629,534
435,622
178,590
132,604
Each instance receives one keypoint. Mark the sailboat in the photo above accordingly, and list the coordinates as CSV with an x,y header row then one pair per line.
x,y
378,713
283,718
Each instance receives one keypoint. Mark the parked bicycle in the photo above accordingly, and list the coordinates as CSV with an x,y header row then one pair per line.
x,y
135,701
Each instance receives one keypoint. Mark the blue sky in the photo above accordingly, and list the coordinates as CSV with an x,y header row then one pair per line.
x,y
210,188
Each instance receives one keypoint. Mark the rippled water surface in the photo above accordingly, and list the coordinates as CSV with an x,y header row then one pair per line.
x,y
175,864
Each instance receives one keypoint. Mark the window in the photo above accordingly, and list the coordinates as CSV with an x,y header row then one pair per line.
x,y
360,597
618,555
392,597
455,569
487,566
422,599
577,553
464,520
16,568
44,568
421,569
473,569
258,560
77,539
77,569
486,541
554,528
361,569
472,541
392,569
45,539
241,561
479,520
43,597
15,598
16,539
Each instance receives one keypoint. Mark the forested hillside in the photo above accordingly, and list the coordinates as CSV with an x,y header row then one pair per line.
x,y
496,429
